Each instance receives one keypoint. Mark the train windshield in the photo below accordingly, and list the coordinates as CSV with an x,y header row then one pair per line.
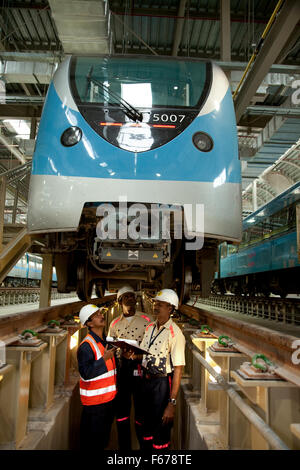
x,y
138,83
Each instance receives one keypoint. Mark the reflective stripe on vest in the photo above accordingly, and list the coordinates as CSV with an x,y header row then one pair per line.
x,y
146,318
97,392
89,339
115,321
102,388
147,328
102,376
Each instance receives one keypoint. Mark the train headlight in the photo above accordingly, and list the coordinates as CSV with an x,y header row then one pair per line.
x,y
203,141
71,136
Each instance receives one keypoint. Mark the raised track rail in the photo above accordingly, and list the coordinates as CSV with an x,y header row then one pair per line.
x,y
251,339
285,311
23,295
43,380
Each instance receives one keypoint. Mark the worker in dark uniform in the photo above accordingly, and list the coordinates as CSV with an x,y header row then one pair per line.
x,y
131,325
162,372
97,368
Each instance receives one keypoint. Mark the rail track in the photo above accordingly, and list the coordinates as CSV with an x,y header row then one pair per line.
x,y
279,346
23,295
286,311
12,325
249,339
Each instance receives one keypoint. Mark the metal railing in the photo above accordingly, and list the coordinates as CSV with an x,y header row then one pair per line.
x,y
269,435
16,296
286,311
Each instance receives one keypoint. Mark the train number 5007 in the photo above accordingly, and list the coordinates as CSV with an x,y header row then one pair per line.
x,y
168,118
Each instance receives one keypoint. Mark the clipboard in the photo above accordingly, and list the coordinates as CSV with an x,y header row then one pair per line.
x,y
126,344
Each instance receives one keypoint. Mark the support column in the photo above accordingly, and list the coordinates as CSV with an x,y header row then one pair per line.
x,y
43,372
225,46
298,230
33,128
14,214
2,207
46,281
254,195
21,359
178,28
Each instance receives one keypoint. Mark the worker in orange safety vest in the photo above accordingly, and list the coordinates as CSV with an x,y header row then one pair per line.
x,y
97,368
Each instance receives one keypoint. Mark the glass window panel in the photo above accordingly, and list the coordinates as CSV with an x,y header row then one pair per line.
x,y
155,82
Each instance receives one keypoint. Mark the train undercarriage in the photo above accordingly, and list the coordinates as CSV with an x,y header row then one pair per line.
x,y
85,261
279,282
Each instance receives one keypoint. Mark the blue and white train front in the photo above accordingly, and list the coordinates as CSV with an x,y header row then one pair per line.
x,y
145,130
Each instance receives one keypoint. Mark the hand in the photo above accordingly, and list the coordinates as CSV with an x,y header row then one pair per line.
x,y
108,353
169,413
128,354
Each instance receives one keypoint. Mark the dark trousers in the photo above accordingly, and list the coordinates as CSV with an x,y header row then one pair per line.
x,y
129,386
95,425
156,393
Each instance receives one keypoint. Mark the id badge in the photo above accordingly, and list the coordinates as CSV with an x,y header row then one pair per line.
x,y
144,363
137,373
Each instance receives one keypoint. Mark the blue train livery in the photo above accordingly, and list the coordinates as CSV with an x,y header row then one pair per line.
x,y
27,272
267,261
158,132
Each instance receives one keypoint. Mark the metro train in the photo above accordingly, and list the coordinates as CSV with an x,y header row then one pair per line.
x,y
268,259
27,272
140,142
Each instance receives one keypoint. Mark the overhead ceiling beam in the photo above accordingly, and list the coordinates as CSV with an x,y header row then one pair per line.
x,y
274,42
21,111
25,88
275,68
27,6
82,25
27,72
51,57
12,149
178,27
119,20
193,15
276,166
273,110
290,44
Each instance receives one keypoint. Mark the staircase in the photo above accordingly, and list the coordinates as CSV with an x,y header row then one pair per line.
x,y
14,239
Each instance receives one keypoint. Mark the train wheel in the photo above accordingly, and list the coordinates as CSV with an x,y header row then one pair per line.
x,y
283,294
266,293
167,277
99,290
215,288
84,285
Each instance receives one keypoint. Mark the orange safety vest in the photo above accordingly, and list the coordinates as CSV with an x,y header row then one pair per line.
x,y
103,388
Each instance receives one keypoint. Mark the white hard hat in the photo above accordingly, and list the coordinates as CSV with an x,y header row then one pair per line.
x,y
168,295
86,312
123,290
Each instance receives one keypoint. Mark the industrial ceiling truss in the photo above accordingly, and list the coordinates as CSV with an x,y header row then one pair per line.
x,y
256,42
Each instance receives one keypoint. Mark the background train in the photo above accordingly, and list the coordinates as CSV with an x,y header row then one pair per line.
x,y
268,259
27,273
120,130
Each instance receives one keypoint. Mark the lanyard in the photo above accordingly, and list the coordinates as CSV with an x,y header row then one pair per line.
x,y
152,340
